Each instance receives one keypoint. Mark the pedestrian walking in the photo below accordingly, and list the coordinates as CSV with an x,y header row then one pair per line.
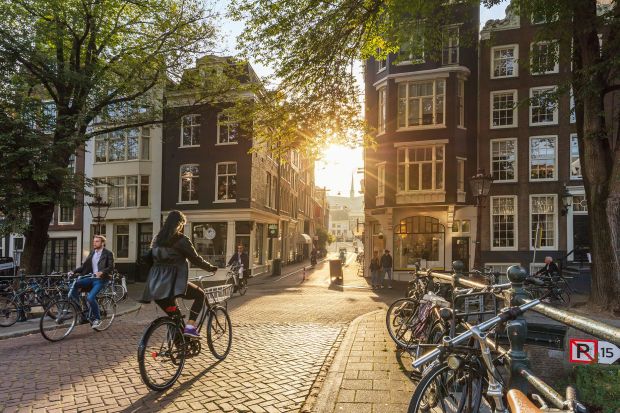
x,y
375,266
386,268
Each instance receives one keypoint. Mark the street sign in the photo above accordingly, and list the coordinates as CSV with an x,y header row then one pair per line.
x,y
272,230
593,351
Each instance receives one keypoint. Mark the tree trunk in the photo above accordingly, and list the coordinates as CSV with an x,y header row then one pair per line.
x,y
36,237
596,155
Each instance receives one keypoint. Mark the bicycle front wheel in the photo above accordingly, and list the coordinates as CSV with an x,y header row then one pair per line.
x,y
219,332
400,319
444,390
161,354
107,312
58,320
8,312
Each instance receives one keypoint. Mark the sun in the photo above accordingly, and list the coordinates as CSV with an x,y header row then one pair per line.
x,y
336,166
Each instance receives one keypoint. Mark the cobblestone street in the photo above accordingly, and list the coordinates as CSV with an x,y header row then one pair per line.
x,y
286,332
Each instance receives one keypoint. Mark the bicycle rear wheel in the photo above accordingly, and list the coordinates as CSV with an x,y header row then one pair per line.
x,y
219,332
243,286
119,293
400,319
8,312
58,320
444,390
107,312
161,354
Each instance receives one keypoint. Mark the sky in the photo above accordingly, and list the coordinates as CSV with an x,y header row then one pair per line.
x,y
338,163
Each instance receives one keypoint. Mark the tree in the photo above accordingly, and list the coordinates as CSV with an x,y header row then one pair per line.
x,y
100,63
317,55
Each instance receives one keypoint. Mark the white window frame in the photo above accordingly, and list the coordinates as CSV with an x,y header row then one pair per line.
x,y
217,175
515,112
192,126
381,65
228,124
408,163
461,102
381,109
433,125
515,231
128,234
60,216
180,199
516,161
531,107
555,223
381,179
556,64
555,162
450,46
105,141
515,48
574,137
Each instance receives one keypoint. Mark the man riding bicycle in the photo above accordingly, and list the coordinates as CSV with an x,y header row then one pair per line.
x,y
99,263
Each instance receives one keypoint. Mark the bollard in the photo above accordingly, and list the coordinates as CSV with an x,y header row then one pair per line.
x,y
458,267
516,330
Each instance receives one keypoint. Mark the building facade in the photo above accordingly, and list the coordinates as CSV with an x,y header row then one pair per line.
x,y
530,148
425,115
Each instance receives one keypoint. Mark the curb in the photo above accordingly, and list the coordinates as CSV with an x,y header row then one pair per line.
x,y
328,394
126,311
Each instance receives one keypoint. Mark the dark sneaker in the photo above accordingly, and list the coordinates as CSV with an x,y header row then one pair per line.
x,y
190,331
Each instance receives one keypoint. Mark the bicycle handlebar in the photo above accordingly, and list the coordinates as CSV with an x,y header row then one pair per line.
x,y
510,314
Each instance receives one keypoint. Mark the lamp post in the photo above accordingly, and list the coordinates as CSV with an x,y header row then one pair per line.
x,y
98,210
567,201
480,185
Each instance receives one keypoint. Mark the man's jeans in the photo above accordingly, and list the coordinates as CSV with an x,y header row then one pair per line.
x,y
389,274
375,278
95,284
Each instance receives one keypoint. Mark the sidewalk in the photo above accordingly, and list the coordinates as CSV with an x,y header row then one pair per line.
x,y
367,375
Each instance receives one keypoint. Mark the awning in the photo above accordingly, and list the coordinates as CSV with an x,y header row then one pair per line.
x,y
304,239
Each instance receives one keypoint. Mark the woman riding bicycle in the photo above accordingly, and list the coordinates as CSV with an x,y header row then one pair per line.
x,y
168,276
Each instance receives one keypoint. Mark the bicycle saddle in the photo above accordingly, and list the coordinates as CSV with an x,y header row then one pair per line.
x,y
519,403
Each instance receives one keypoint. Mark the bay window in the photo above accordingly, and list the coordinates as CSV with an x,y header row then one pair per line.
x,y
421,103
420,168
123,145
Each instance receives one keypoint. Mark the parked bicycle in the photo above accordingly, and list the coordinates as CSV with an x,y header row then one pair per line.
x,y
62,315
117,287
163,349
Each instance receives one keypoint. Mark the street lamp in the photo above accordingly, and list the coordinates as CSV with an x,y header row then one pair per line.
x,y
480,185
567,201
98,209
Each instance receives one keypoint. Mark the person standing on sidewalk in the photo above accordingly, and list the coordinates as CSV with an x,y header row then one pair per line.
x,y
375,266
386,268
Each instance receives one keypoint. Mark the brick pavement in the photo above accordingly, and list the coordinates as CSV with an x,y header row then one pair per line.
x,y
368,374
284,336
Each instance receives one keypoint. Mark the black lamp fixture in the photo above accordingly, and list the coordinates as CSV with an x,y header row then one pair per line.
x,y
98,210
567,200
480,185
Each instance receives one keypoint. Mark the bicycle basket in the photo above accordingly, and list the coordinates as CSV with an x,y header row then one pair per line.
x,y
219,293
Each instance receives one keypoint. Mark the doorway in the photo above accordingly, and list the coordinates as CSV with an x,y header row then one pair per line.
x,y
460,250
581,238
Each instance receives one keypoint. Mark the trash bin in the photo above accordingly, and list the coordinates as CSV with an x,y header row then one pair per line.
x,y
277,267
335,271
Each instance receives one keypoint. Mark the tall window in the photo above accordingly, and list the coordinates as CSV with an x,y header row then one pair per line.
x,y
144,190
381,110
543,158
503,109
450,55
124,191
190,130
412,48
543,221
65,214
544,57
461,99
421,168
421,103
504,61
121,244
503,222
381,65
189,179
381,180
226,181
268,191
123,145
543,106
504,159
460,175
573,115
575,163
227,129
